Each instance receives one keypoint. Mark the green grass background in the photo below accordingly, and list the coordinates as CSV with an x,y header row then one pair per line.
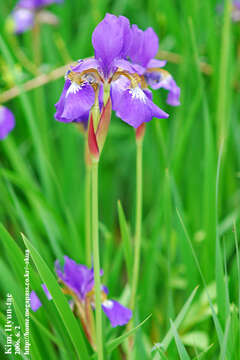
x,y
191,180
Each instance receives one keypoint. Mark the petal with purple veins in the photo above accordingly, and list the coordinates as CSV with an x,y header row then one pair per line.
x,y
144,46
134,107
75,101
109,40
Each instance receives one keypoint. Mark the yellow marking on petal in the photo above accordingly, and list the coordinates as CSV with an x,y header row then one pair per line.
x,y
135,79
165,73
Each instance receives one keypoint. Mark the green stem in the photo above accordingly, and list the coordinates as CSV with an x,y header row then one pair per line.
x,y
138,230
96,261
88,214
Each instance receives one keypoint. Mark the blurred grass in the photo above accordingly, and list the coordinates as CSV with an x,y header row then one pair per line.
x,y
42,181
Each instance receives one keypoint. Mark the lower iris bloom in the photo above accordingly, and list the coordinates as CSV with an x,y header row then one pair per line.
x,y
78,281
7,121
24,15
108,73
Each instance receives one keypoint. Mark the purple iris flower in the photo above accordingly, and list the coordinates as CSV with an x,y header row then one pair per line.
x,y
143,49
111,39
23,16
79,279
7,121
34,299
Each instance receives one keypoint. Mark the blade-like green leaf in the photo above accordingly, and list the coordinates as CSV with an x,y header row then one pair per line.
x,y
169,336
181,349
126,238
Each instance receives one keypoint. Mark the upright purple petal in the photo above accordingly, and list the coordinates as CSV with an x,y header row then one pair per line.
x,y
78,278
7,121
144,46
118,314
110,40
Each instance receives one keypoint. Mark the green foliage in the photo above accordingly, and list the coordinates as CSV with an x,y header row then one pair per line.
x,y
190,189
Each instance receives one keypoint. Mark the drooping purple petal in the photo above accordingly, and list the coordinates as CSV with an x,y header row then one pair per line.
x,y
23,19
144,46
118,314
134,107
157,80
75,101
7,121
110,40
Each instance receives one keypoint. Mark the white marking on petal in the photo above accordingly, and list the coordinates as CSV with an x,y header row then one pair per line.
x,y
138,94
73,88
166,79
108,304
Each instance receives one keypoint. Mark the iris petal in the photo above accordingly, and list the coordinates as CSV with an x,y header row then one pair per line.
x,y
144,46
110,40
75,101
118,314
135,107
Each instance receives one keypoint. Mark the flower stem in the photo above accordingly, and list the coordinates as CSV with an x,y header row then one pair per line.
x,y
138,229
88,215
96,261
